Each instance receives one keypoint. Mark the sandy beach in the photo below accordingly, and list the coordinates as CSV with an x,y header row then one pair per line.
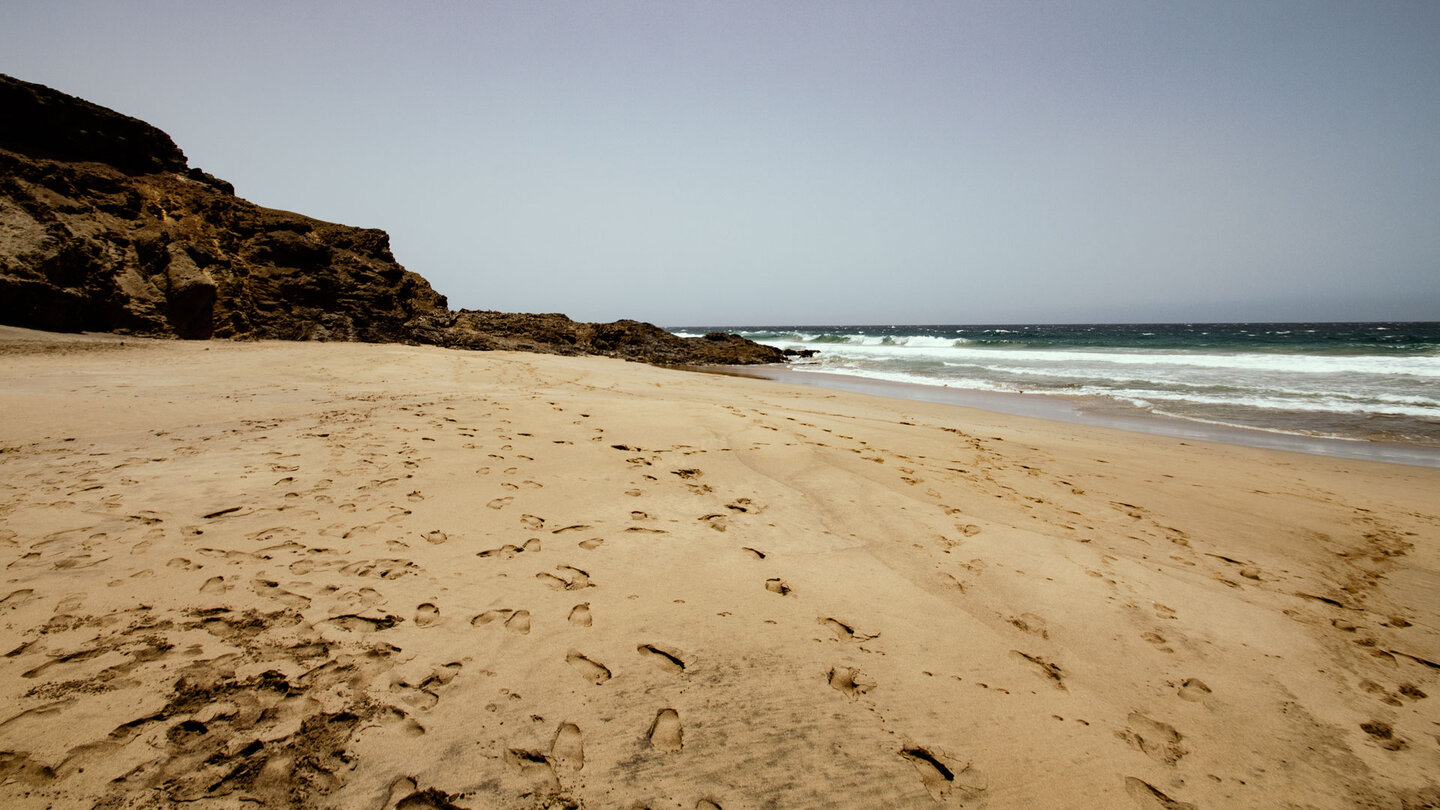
x,y
382,576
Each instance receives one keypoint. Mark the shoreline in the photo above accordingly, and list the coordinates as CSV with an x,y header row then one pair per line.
x,y
1098,412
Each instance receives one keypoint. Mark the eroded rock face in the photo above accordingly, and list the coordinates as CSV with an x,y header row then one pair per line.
x,y
44,123
104,227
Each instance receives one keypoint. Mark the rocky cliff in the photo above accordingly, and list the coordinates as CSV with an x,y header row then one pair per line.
x,y
105,227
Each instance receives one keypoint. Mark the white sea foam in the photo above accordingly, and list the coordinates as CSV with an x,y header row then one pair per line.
x,y
1413,365
947,350
1270,376
904,377
1179,382
1148,397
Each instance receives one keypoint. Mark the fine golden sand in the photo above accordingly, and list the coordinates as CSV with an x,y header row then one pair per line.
x,y
359,576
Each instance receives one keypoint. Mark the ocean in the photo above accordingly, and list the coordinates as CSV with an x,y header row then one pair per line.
x,y
1357,381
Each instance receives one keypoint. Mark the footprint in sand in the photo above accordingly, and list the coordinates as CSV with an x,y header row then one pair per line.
x,y
214,585
580,615
1030,623
754,552
777,586
743,505
1147,795
1381,733
436,537
272,590
1046,669
666,658
578,578
569,578
666,733
426,615
519,622
363,624
1193,689
1160,642
500,503
532,521
591,544
568,748
593,671
716,522
938,776
534,766
509,551
516,621
1157,740
850,680
403,795
843,631
490,617
22,597
410,728
384,569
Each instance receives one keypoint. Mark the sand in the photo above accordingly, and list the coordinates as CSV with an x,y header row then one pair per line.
x,y
359,576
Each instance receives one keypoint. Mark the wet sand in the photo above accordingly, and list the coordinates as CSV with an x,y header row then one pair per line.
x,y
1097,411
341,575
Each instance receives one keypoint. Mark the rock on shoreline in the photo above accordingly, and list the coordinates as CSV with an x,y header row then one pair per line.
x,y
105,227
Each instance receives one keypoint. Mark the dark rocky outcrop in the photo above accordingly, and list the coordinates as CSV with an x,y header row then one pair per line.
x,y
629,340
105,227
88,247
44,123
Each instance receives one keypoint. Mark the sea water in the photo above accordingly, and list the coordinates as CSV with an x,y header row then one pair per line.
x,y
1363,381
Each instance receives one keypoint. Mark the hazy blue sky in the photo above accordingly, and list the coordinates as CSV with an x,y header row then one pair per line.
x,y
799,162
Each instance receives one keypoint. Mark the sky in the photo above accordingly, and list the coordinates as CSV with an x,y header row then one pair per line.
x,y
747,163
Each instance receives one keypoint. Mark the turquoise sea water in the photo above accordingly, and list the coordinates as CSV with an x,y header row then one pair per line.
x,y
1368,381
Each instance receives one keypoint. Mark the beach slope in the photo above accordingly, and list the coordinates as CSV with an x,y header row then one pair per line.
x,y
379,576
